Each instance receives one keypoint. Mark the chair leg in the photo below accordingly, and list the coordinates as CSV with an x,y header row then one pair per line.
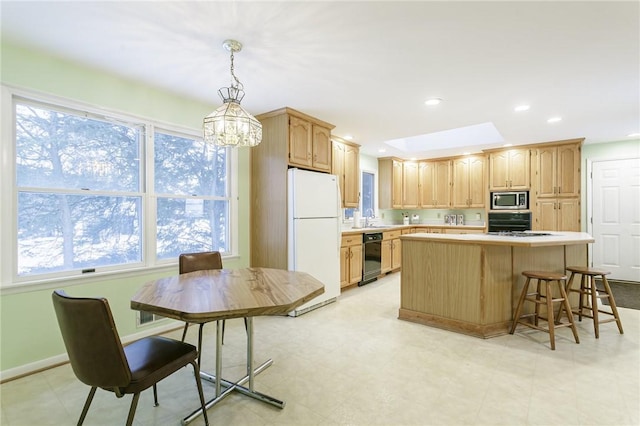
x,y
87,403
594,305
223,324
196,371
200,343
550,321
132,410
567,291
184,332
582,296
612,303
537,309
246,327
155,396
565,295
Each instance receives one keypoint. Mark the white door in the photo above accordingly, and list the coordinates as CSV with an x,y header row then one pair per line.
x,y
616,217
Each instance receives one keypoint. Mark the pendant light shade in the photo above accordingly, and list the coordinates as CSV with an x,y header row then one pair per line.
x,y
230,124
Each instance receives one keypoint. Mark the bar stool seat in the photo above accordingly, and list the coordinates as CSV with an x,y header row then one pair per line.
x,y
540,298
589,294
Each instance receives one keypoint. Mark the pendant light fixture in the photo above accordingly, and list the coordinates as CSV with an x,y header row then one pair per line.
x,y
230,124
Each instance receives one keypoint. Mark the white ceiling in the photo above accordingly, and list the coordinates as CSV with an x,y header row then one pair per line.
x,y
368,67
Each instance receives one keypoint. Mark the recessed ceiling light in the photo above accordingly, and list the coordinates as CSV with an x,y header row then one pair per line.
x,y
554,119
520,108
507,145
382,150
466,153
433,101
633,135
348,137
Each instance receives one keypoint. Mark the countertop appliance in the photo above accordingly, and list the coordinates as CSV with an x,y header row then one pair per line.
x,y
509,221
314,232
510,200
372,259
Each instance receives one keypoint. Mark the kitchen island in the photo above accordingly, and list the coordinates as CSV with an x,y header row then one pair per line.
x,y
470,283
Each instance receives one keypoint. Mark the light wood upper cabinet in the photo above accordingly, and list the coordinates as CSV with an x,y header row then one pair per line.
x,y
509,169
558,171
410,185
309,144
468,188
434,183
390,181
346,165
321,148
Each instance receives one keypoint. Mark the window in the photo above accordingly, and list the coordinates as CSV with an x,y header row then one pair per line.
x,y
83,202
192,196
79,204
367,200
368,204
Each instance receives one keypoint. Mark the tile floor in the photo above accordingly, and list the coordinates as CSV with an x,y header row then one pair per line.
x,y
354,363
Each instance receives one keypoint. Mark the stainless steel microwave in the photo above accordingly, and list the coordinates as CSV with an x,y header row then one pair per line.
x,y
510,200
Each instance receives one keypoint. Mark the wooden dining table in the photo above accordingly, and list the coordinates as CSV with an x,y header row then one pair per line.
x,y
215,295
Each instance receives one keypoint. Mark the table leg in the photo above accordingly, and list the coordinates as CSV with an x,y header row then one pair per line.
x,y
218,355
234,386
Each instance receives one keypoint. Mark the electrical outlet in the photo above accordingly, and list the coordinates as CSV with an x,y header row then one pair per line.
x,y
477,216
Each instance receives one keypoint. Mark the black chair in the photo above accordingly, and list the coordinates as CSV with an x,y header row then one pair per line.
x,y
99,360
191,262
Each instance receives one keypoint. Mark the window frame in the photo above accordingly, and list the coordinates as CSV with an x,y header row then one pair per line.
x,y
9,278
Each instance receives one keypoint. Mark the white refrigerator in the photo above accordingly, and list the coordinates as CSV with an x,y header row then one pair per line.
x,y
314,232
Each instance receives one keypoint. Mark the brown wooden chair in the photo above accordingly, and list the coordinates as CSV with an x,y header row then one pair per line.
x,y
542,295
589,290
192,262
99,360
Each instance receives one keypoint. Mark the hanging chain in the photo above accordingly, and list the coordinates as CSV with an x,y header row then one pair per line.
x,y
238,85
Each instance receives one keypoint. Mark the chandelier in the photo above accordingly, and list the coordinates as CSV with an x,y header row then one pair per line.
x,y
230,124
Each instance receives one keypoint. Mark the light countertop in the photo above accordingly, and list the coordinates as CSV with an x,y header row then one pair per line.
x,y
555,239
382,228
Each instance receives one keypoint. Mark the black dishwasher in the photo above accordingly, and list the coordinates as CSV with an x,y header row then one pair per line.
x,y
372,259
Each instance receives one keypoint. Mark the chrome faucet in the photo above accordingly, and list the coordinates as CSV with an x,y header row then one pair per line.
x,y
369,214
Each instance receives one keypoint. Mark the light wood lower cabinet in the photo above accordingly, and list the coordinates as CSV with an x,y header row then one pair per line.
x,y
350,260
391,258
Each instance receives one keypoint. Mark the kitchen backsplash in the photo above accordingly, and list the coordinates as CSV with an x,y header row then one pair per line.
x,y
472,217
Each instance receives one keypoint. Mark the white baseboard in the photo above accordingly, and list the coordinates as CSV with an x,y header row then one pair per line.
x,y
54,361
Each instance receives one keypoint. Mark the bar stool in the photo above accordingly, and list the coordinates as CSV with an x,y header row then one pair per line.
x,y
537,297
590,291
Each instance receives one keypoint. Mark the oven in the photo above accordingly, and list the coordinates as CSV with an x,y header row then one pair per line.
x,y
372,257
509,221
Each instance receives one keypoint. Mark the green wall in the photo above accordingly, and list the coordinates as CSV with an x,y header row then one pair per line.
x,y
29,333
